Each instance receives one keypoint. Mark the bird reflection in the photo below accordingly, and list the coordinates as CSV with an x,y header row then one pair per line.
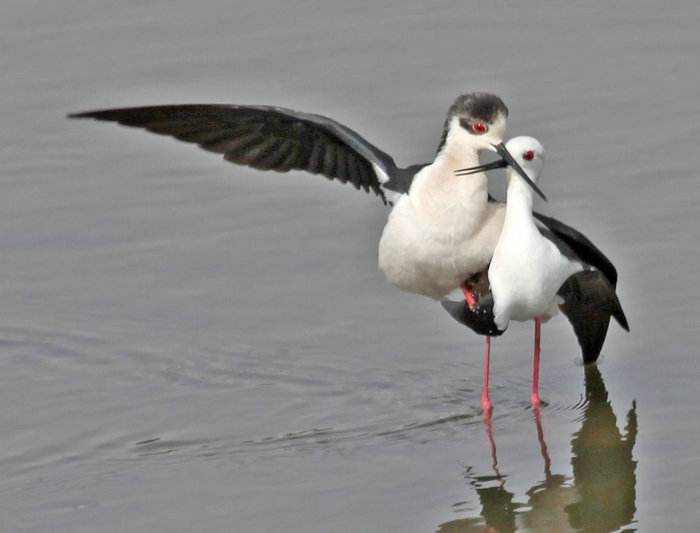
x,y
599,498
603,464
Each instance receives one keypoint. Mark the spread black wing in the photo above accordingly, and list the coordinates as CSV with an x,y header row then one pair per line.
x,y
266,138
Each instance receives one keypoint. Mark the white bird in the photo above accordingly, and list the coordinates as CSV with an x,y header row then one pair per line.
x,y
442,228
529,274
527,269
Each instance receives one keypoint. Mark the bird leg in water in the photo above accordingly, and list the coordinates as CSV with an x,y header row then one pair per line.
x,y
485,400
535,399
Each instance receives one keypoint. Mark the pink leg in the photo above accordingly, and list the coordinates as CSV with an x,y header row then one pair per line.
x,y
485,401
471,299
535,399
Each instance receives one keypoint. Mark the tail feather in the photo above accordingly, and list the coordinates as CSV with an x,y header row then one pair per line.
x,y
589,302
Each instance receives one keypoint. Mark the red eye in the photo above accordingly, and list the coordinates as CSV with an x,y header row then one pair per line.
x,y
529,155
479,128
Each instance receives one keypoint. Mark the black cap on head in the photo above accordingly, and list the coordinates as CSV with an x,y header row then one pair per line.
x,y
483,107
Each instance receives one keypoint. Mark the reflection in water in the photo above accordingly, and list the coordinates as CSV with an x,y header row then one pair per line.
x,y
603,464
599,498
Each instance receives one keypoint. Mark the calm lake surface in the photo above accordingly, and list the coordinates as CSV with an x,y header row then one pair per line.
x,y
188,345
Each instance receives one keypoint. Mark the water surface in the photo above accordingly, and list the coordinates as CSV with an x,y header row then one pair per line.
x,y
187,345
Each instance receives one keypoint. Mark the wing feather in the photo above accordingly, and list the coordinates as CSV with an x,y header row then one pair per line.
x,y
266,138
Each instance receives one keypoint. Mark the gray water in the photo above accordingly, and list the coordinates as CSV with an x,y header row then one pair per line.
x,y
187,345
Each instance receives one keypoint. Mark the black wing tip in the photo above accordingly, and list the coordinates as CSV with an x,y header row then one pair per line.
x,y
591,342
111,115
480,319
589,303
108,113
82,114
621,319
114,114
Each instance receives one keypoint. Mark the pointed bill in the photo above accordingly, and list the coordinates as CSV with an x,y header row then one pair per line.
x,y
506,160
505,154
501,163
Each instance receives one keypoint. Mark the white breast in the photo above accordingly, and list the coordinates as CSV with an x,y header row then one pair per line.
x,y
527,269
441,233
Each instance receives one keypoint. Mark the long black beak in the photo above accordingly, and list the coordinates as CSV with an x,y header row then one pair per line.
x,y
501,163
506,160
505,154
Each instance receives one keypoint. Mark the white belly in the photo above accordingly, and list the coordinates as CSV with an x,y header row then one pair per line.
x,y
525,275
434,255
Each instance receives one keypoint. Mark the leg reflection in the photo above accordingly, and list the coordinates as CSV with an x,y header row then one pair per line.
x,y
598,497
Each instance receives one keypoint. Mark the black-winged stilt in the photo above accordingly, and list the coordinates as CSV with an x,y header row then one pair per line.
x,y
535,271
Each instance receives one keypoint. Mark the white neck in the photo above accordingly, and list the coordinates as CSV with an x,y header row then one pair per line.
x,y
449,202
519,195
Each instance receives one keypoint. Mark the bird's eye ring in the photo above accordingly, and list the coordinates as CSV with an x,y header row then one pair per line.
x,y
479,128
529,155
